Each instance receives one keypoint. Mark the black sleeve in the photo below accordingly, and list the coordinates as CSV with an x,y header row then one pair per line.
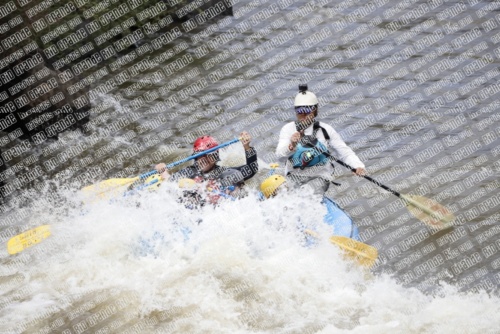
x,y
251,167
185,173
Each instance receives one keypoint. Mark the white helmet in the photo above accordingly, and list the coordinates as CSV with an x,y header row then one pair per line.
x,y
305,101
305,97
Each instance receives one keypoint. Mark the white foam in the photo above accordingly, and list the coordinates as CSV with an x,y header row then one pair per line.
x,y
244,268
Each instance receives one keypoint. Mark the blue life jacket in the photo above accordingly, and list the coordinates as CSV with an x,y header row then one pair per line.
x,y
310,151
307,156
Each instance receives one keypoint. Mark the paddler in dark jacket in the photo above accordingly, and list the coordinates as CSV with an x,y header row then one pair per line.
x,y
230,185
205,168
307,143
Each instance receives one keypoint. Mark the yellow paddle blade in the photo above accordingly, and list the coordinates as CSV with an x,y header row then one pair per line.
x,y
27,239
428,211
363,254
108,188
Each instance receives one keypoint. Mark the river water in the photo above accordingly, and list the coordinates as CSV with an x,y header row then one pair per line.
x,y
416,100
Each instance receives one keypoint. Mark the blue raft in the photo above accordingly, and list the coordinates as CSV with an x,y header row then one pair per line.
x,y
340,221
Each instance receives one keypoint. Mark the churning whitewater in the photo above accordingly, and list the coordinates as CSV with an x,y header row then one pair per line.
x,y
146,264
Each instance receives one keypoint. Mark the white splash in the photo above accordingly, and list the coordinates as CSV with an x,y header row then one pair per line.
x,y
244,268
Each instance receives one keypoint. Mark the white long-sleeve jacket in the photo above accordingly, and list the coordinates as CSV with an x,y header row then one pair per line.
x,y
343,152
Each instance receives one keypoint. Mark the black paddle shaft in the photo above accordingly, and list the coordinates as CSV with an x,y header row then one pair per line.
x,y
365,176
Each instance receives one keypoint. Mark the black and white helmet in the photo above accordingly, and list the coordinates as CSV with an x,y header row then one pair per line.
x,y
305,101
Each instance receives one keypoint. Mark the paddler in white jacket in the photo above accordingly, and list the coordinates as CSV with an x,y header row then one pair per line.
x,y
307,143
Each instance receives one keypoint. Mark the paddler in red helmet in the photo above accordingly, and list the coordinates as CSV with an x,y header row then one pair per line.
x,y
205,168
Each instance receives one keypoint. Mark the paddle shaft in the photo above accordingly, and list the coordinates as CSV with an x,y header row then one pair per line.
x,y
365,176
405,198
194,156
132,192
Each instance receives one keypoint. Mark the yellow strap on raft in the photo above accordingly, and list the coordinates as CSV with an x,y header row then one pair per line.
x,y
187,184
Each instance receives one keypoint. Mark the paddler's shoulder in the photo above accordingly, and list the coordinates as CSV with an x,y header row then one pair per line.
x,y
289,127
327,127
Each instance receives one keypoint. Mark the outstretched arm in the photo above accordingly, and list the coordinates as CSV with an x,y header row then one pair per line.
x,y
251,167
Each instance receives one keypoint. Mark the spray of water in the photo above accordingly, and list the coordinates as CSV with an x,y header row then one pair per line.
x,y
242,267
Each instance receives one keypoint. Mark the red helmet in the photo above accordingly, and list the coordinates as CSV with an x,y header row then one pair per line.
x,y
204,143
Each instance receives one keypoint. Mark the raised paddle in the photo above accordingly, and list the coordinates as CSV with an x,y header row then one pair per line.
x,y
114,184
426,210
